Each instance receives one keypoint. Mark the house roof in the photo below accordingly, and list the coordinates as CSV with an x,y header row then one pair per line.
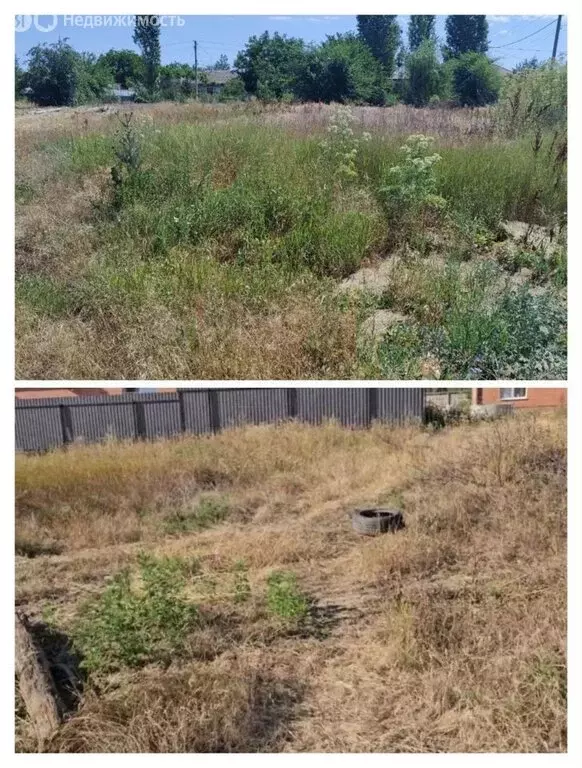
x,y
219,76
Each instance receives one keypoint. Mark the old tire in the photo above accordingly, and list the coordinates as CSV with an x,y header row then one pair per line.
x,y
372,521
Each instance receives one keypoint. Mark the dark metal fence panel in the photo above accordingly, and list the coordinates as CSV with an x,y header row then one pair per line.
x,y
401,404
196,409
162,418
97,421
46,423
347,405
252,406
38,428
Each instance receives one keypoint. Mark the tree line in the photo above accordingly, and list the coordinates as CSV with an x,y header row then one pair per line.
x,y
371,65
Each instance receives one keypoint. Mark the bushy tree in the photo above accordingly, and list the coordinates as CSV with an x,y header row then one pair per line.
x,y
423,74
126,66
233,90
146,35
268,66
527,64
176,70
94,79
222,62
466,34
382,36
60,76
475,80
342,69
421,28
19,79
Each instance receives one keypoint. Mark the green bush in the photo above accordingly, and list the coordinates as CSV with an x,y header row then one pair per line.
x,y
408,192
129,624
423,71
60,76
475,80
284,598
233,90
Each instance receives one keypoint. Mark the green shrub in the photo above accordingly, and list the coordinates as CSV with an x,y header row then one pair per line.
x,y
284,598
340,148
408,192
129,624
475,80
423,72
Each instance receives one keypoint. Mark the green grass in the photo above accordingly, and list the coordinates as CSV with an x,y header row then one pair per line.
x,y
475,327
233,237
208,512
133,624
284,597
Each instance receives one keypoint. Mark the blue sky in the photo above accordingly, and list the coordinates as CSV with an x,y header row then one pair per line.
x,y
228,34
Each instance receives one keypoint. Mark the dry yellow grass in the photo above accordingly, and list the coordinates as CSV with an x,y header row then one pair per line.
x,y
448,636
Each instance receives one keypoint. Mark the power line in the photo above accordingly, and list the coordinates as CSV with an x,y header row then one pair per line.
x,y
521,39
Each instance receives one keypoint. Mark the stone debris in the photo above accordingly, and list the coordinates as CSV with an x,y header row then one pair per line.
x,y
375,326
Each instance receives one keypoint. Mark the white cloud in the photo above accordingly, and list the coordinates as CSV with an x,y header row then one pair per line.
x,y
498,19
503,32
280,18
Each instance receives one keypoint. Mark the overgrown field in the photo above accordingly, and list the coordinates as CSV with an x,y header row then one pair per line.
x,y
225,242
208,594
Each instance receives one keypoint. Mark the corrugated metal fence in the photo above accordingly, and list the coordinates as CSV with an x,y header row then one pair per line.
x,y
47,423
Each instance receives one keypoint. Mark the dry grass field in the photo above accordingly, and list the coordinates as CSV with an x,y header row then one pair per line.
x,y
215,241
247,616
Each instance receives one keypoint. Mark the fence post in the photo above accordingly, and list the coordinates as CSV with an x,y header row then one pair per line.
x,y
182,410
214,410
292,403
66,423
140,422
372,405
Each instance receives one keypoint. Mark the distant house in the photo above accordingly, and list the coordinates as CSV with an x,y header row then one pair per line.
x,y
35,394
121,94
521,397
502,70
215,80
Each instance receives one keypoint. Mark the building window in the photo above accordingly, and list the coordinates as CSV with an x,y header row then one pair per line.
x,y
513,393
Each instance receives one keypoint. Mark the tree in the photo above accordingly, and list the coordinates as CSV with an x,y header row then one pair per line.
x,y
268,66
176,70
233,90
341,69
19,79
420,28
126,66
475,80
382,36
60,76
423,75
466,34
527,64
222,62
146,35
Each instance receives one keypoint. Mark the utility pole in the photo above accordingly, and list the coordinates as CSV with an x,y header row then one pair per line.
x,y
196,66
557,35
